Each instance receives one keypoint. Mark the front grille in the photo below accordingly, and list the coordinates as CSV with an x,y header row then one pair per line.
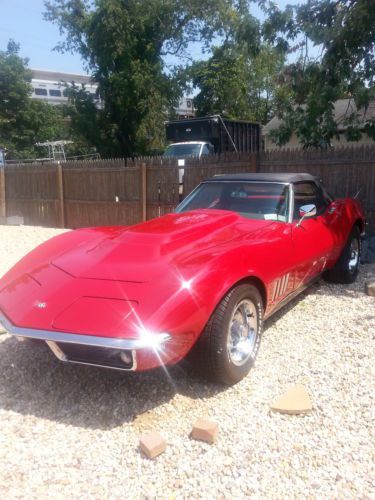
x,y
99,356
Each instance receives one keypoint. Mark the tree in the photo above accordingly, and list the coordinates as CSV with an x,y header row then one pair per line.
x,y
23,121
344,32
237,83
123,43
239,80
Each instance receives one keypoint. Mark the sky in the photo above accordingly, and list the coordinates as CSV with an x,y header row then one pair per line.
x,y
23,21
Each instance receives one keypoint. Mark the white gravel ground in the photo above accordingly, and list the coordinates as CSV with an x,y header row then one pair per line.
x,y
73,431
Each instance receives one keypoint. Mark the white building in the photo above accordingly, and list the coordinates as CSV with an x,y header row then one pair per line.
x,y
50,86
342,109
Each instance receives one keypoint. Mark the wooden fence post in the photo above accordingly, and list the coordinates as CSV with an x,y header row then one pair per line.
x,y
143,191
60,194
253,163
3,211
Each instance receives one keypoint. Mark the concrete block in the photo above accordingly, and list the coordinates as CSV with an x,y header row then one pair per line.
x,y
205,430
152,444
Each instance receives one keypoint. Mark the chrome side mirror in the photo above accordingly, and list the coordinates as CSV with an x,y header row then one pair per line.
x,y
306,211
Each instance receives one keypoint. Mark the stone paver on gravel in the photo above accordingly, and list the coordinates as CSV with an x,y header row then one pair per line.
x,y
205,430
73,431
152,444
294,401
370,288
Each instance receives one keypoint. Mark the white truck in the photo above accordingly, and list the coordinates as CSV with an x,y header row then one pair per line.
x,y
196,137
191,148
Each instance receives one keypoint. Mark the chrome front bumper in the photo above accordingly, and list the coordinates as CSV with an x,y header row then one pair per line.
x,y
107,352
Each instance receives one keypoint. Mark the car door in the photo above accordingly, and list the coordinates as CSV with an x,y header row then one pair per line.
x,y
313,239
279,255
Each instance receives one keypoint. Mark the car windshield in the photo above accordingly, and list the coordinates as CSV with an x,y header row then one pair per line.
x,y
253,200
183,150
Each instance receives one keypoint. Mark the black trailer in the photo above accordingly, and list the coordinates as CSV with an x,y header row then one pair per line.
x,y
224,134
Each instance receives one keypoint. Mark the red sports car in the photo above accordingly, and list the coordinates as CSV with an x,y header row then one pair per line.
x,y
198,282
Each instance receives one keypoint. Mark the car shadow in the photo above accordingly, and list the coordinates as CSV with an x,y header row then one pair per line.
x,y
34,382
323,287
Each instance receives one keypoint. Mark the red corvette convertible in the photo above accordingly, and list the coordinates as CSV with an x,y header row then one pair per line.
x,y
198,282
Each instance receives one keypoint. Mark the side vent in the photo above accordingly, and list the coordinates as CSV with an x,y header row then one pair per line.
x,y
280,287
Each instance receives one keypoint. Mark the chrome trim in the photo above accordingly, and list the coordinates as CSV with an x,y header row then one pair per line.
x,y
355,247
62,357
286,283
242,332
291,203
217,179
280,287
135,365
274,291
74,338
307,211
291,296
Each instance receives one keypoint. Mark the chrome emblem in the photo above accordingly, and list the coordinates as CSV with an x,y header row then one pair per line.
x,y
41,305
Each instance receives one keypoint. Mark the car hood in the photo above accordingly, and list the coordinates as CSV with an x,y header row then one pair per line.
x,y
100,281
142,252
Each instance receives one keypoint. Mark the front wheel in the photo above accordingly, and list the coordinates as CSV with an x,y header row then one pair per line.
x,y
228,346
346,268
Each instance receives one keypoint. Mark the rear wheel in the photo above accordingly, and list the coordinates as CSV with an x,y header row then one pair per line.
x,y
346,268
228,346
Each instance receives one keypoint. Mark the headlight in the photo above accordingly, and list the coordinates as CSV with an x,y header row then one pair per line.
x,y
153,340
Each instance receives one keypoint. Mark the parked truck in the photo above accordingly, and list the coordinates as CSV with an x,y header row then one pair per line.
x,y
210,134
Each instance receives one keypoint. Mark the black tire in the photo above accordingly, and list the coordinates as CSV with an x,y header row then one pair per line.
x,y
210,355
345,271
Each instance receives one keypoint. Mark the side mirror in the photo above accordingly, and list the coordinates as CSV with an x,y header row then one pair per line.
x,y
306,211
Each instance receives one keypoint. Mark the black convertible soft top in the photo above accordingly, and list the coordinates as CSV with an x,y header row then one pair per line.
x,y
267,177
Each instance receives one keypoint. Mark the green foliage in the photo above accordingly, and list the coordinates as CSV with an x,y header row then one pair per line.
x,y
123,43
239,80
237,83
23,121
345,34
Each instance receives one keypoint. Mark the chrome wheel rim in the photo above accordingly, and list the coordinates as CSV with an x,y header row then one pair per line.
x,y
243,330
354,255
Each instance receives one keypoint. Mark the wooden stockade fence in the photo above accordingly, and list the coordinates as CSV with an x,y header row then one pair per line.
x,y
346,172
127,191
106,192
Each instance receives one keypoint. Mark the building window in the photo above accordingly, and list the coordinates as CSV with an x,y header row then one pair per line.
x,y
40,91
55,93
